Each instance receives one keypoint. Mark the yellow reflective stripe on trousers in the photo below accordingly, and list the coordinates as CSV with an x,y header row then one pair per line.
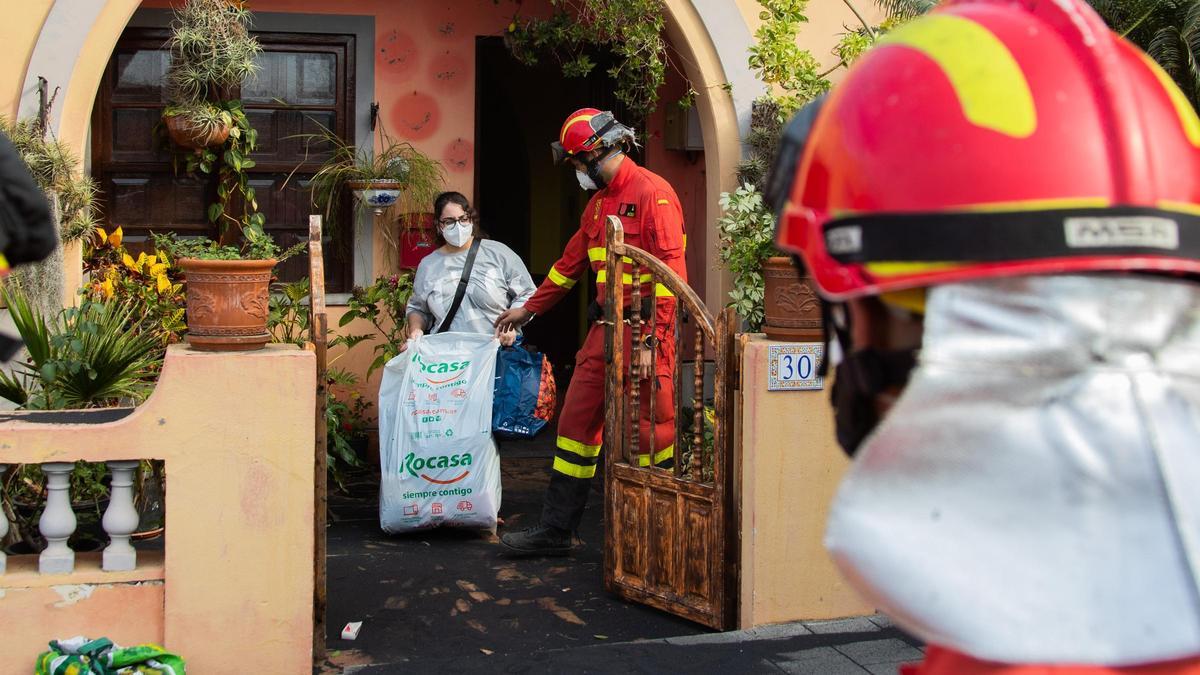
x,y
581,449
659,457
573,470
602,277
601,255
560,280
661,291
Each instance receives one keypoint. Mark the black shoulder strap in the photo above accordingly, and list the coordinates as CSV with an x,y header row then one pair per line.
x,y
462,287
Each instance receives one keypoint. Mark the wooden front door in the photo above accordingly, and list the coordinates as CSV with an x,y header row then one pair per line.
x,y
671,537
304,82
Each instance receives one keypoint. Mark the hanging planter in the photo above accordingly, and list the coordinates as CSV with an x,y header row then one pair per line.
x,y
791,307
378,194
187,134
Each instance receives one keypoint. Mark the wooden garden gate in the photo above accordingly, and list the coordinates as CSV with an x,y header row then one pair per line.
x,y
671,536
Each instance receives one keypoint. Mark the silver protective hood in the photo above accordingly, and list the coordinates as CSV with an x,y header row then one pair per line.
x,y
1034,495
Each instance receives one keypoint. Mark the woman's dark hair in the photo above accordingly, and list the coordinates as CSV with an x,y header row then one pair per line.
x,y
460,199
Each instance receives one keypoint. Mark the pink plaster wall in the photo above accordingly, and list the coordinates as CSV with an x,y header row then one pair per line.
x,y
424,67
425,85
236,434
127,614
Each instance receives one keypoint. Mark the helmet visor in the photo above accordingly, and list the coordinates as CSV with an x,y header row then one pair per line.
x,y
559,153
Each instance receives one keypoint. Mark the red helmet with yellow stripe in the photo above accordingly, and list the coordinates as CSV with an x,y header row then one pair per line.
x,y
587,129
996,138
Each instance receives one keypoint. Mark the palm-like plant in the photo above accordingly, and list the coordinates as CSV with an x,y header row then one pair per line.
x,y
86,357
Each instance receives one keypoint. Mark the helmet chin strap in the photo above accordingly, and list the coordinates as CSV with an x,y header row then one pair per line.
x,y
594,166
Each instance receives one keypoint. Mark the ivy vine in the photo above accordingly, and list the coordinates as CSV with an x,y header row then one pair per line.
x,y
631,30
236,209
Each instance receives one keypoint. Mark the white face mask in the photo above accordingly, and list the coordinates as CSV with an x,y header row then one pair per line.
x,y
585,181
458,234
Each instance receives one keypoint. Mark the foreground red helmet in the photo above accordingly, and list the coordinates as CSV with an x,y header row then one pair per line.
x,y
996,138
587,129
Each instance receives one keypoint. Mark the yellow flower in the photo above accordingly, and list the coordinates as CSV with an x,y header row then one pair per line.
x,y
164,284
116,237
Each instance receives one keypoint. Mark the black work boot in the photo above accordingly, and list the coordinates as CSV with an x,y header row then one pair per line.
x,y
537,540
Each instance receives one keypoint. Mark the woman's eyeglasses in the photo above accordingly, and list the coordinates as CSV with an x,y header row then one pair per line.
x,y
447,222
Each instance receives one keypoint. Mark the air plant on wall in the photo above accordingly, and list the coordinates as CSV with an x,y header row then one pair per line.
x,y
212,53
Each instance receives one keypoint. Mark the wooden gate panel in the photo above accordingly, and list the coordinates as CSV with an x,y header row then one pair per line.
x,y
669,531
631,527
664,527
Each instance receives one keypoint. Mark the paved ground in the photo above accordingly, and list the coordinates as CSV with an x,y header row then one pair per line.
x,y
445,601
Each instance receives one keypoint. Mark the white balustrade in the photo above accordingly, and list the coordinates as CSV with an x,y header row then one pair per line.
x,y
120,519
3,529
58,520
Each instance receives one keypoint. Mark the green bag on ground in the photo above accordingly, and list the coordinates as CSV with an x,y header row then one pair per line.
x,y
81,656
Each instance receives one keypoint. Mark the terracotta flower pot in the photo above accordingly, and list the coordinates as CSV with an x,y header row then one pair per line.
x,y
185,135
791,305
227,303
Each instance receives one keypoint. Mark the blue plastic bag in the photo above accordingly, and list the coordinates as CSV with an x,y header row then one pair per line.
x,y
518,381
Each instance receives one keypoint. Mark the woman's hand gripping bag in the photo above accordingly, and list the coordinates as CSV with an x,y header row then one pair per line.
x,y
438,460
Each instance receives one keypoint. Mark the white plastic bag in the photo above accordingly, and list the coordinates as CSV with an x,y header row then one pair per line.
x,y
438,459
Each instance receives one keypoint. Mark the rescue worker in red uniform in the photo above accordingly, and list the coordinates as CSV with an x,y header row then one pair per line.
x,y
595,144
1000,205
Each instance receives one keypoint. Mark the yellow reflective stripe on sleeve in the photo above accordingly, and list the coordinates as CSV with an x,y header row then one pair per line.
x,y
989,83
659,457
661,291
581,449
573,470
560,280
663,202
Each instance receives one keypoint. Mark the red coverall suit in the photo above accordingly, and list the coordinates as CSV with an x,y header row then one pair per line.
x,y
653,220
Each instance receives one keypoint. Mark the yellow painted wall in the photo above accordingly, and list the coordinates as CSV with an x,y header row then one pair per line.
x,y
237,589
18,33
827,21
791,466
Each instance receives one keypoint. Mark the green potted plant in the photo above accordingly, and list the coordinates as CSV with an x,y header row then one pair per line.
x,y
769,292
212,53
394,175
227,286
384,304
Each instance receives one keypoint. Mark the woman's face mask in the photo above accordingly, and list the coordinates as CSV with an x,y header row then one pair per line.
x,y
458,234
